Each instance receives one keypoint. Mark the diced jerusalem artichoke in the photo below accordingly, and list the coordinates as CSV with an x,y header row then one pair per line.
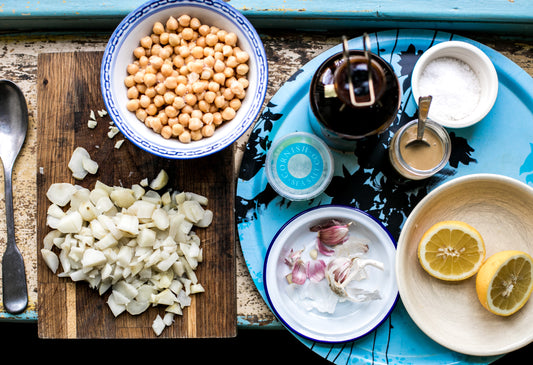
x,y
51,259
60,193
141,244
160,181
158,325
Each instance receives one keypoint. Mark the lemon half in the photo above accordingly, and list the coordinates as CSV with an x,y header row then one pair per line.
x,y
451,250
504,282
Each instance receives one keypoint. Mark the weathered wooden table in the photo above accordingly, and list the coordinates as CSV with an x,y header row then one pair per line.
x,y
286,51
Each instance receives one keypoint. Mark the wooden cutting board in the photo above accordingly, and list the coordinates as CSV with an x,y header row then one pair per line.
x,y
68,89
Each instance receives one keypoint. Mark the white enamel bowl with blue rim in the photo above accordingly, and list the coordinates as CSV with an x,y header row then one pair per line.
x,y
349,320
119,53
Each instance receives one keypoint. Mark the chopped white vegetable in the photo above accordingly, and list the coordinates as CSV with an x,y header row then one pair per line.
x,y
138,244
81,163
158,325
160,181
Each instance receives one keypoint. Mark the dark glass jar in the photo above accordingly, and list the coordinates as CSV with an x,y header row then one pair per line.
x,y
342,119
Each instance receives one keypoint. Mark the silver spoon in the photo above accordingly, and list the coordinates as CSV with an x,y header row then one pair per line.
x,y
423,109
13,128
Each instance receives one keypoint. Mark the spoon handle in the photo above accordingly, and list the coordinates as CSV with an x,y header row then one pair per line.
x,y
15,293
423,110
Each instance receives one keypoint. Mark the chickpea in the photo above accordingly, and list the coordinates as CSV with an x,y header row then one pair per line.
x,y
181,89
167,69
236,87
172,23
141,114
221,34
190,99
220,101
151,109
129,81
213,86
200,41
163,38
156,62
210,96
133,104
171,112
141,87
139,52
217,118
163,117
228,94
204,29
230,39
166,132
198,87
158,28
183,119
173,39
228,113
159,101
227,50
169,97
197,52
133,93
219,78
219,66
231,61
160,88
195,23
208,130
155,124
150,92
143,61
185,137
178,61
146,42
184,20
229,72
149,79
207,118
211,39
177,129
133,68
196,135
171,83
242,69
235,104
187,34
144,101
242,56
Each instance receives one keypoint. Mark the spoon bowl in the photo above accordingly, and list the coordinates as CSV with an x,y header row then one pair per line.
x,y
423,109
13,129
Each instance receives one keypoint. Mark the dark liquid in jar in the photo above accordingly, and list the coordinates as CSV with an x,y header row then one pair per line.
x,y
343,118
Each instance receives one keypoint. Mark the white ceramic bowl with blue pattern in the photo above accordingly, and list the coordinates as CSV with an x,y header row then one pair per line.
x,y
119,53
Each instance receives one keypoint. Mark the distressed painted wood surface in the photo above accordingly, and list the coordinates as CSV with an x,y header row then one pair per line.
x,y
514,16
286,52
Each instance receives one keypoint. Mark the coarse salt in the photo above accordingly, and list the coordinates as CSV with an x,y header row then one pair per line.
x,y
454,86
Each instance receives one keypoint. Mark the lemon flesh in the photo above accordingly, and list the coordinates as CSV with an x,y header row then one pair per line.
x,y
451,250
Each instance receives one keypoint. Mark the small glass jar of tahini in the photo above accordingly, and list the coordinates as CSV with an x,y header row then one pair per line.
x,y
299,166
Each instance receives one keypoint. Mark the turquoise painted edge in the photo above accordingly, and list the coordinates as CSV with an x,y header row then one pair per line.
x,y
494,16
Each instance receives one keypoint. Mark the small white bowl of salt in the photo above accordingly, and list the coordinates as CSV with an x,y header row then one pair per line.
x,y
462,81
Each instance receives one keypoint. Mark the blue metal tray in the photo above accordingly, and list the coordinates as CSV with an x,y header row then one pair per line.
x,y
501,143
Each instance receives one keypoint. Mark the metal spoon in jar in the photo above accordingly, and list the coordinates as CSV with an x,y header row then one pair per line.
x,y
423,109
13,128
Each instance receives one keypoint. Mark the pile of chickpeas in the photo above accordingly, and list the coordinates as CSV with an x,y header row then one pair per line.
x,y
187,78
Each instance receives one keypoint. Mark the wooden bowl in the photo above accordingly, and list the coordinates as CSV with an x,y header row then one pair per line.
x,y
500,208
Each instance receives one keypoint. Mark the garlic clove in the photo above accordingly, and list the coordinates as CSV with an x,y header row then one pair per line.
x,y
334,235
